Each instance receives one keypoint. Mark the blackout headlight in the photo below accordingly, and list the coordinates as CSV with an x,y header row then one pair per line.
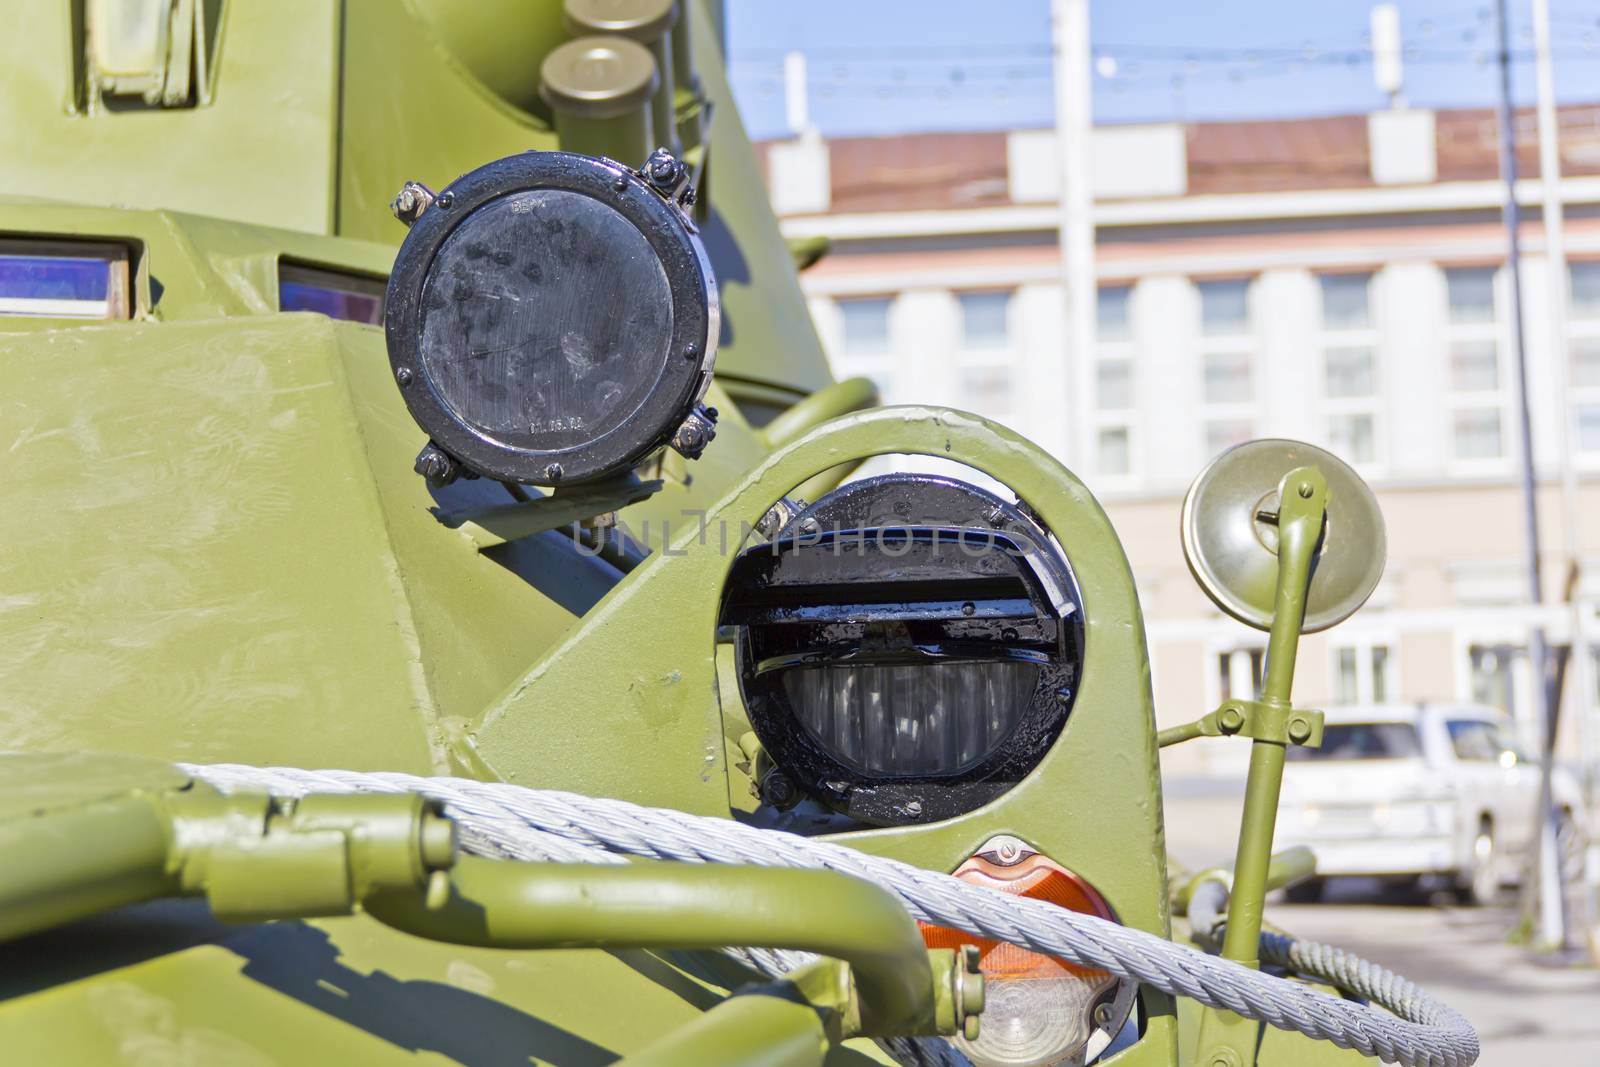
x,y
909,647
552,318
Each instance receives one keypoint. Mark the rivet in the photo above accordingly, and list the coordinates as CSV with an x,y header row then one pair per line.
x,y
691,350
1305,490
446,198
621,184
403,376
553,472
1299,730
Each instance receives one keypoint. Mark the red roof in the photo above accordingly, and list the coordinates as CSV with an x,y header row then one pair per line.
x,y
957,170
1253,157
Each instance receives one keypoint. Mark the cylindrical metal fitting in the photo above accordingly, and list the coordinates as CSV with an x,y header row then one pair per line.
x,y
650,23
685,81
600,90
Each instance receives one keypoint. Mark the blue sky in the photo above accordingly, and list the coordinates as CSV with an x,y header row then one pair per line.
x,y
884,66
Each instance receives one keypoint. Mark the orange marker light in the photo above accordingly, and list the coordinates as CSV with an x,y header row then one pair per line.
x,y
1040,1010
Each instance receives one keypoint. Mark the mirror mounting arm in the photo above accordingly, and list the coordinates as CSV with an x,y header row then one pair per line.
x,y
1302,511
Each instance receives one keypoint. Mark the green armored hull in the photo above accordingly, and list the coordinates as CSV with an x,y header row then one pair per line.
x,y
286,492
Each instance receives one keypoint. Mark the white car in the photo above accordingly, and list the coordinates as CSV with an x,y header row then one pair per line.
x,y
1403,791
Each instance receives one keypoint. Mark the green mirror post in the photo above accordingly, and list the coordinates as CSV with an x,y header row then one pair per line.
x,y
1302,509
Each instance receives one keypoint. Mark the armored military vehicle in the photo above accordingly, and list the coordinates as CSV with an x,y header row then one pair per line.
x,y
441,623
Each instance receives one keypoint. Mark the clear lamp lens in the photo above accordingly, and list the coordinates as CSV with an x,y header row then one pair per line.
x,y
1034,1022
923,718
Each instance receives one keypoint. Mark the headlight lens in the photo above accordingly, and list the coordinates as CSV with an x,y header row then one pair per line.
x,y
909,647
926,717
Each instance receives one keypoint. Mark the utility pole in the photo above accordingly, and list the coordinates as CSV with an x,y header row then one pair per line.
x,y
1069,30
1580,664
1551,926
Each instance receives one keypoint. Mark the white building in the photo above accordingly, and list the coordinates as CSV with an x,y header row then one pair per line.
x,y
1338,280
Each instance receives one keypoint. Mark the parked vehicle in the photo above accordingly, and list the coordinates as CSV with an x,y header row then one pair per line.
x,y
1414,790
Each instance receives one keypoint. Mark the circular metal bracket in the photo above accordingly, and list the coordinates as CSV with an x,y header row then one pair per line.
x,y
1230,536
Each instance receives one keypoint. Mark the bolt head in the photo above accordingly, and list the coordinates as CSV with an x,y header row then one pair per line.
x,y
433,465
553,472
663,169
1299,730
691,350
1305,490
403,376
446,198
779,790
621,183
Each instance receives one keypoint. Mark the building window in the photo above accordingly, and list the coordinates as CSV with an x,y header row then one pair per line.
x,y
1493,670
1363,674
1349,366
1228,378
1227,363
1583,329
1111,313
986,364
864,342
1239,673
1114,382
866,325
1474,384
1225,307
985,320
1112,456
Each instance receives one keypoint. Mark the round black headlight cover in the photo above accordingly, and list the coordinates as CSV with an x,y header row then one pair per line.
x,y
551,318
909,647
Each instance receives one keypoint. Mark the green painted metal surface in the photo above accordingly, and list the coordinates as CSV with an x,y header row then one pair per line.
x,y
217,550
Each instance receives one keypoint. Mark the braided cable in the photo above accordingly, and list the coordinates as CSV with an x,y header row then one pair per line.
x,y
500,819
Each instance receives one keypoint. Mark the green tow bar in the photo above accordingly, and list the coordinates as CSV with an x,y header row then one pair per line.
x,y
1273,723
73,847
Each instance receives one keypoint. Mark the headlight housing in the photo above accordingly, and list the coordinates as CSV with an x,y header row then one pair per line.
x,y
552,318
909,647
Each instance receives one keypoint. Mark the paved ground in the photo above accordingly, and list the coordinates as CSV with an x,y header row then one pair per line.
x,y
1526,1013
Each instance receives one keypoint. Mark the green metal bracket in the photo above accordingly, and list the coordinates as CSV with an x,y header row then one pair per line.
x,y
788,1023
252,857
1226,1039
792,1022
903,987
492,526
1255,719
